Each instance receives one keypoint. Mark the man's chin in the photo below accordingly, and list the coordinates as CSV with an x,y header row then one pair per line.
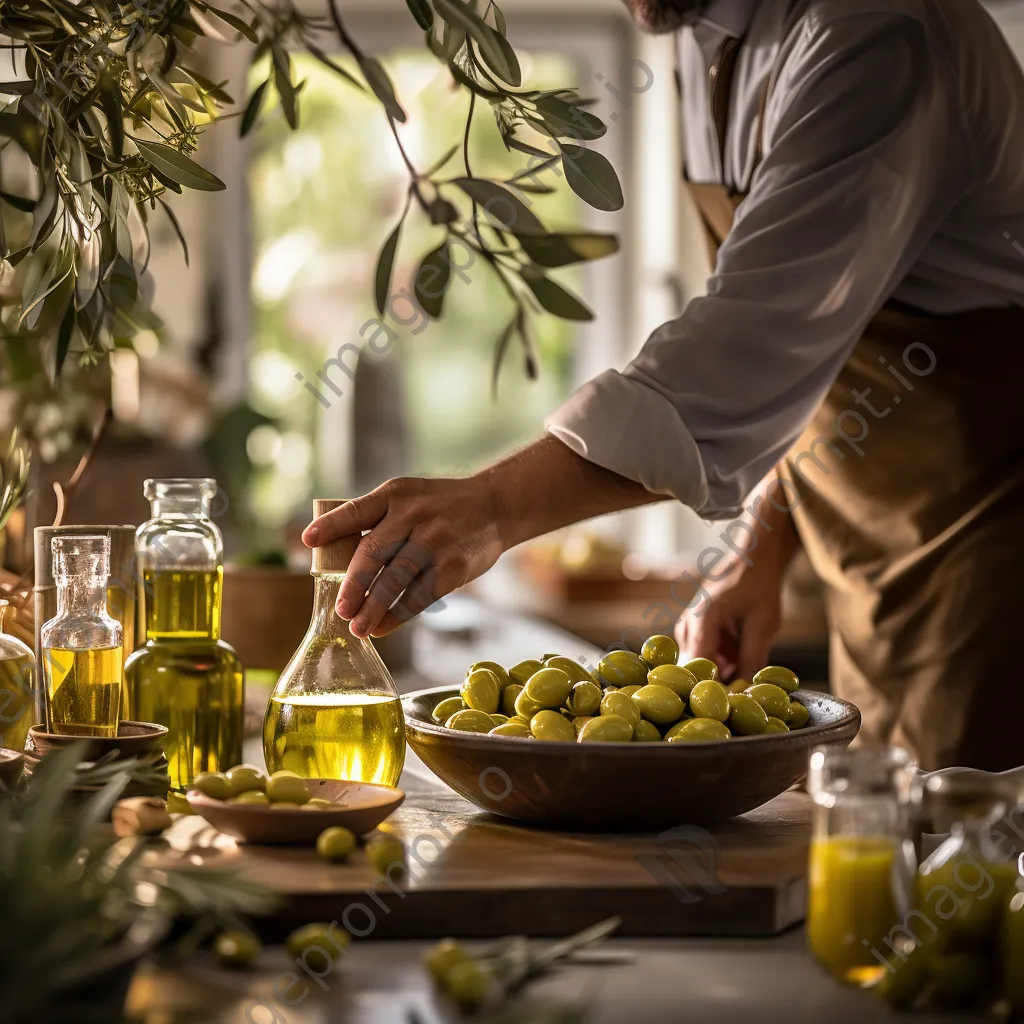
x,y
659,16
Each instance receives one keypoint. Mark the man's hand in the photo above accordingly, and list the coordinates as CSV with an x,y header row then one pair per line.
x,y
428,537
737,623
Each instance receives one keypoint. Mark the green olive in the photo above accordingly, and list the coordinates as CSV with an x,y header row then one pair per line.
x,y
468,983
252,796
178,804
746,716
442,957
703,668
797,715
659,650
606,729
318,803
514,729
550,725
772,698
550,687
335,844
287,789
285,772
911,975
493,666
470,721
237,949
520,720
386,854
544,657
585,698
581,720
698,730
213,784
499,719
710,699
446,708
508,698
776,725
645,732
675,677
628,691
739,686
616,703
482,691
622,668
526,706
317,945
658,704
577,672
784,677
521,672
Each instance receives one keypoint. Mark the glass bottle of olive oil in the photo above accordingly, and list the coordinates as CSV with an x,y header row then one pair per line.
x,y
335,712
17,687
184,676
82,646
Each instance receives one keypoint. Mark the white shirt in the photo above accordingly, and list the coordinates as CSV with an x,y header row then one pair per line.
x,y
893,168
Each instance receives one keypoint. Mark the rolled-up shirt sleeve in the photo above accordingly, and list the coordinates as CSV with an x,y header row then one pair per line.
x,y
865,156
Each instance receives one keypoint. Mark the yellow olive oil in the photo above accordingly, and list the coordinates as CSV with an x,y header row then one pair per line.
x,y
182,604
16,696
83,690
357,736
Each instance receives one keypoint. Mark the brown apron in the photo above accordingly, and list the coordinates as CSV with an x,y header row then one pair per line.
x,y
914,520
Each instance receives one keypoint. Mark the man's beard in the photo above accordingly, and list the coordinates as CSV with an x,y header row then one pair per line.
x,y
665,15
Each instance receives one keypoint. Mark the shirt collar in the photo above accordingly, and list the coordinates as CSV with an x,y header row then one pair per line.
x,y
732,17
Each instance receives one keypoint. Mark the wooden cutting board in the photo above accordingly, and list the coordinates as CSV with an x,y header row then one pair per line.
x,y
473,875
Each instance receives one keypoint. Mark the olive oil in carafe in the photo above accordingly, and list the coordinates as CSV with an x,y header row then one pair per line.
x,y
16,698
182,604
83,690
357,736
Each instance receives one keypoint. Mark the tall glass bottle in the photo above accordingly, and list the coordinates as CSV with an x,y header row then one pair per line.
x,y
335,712
82,646
17,687
185,677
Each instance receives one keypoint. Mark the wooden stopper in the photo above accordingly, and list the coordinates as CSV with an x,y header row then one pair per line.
x,y
335,556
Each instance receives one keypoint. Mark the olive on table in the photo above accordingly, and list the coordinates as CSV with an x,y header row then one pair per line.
x,y
606,729
508,698
776,725
492,666
481,691
335,844
616,703
797,715
237,949
515,729
550,687
526,706
386,854
446,708
573,669
710,699
774,699
470,721
214,785
658,704
779,676
585,698
287,789
621,668
442,957
703,668
317,945
746,716
698,730
523,670
550,725
252,796
468,983
646,732
675,677
659,650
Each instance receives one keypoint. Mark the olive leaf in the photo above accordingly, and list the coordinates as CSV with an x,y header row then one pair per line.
x,y
422,12
568,120
252,108
560,250
18,202
385,268
110,102
283,84
172,217
593,179
508,210
178,167
494,48
64,335
378,80
553,297
500,349
432,279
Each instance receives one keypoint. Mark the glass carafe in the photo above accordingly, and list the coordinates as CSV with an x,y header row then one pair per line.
x,y
17,687
862,858
82,646
185,677
335,712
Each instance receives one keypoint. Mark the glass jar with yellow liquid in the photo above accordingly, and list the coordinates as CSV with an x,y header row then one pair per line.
x,y
860,885
17,687
184,676
82,645
335,712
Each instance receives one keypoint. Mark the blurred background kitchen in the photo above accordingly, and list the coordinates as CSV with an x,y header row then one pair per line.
x,y
280,278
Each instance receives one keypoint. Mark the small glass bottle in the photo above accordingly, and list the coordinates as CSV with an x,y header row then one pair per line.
x,y
185,677
82,646
862,858
335,712
17,687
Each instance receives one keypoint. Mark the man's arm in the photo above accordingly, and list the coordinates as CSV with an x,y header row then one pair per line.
x,y
432,536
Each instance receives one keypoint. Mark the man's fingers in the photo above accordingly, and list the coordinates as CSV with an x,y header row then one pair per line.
x,y
375,550
352,517
389,585
419,595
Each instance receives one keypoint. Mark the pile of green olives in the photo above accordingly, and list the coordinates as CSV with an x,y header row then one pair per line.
x,y
245,784
639,698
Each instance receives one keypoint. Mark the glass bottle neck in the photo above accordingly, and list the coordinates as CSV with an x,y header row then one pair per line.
x,y
191,507
326,621
82,595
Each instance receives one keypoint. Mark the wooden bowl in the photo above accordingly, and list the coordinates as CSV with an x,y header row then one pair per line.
x,y
11,764
621,787
364,806
133,739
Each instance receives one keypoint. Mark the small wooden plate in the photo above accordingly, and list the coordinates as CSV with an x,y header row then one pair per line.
x,y
133,739
11,764
364,805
